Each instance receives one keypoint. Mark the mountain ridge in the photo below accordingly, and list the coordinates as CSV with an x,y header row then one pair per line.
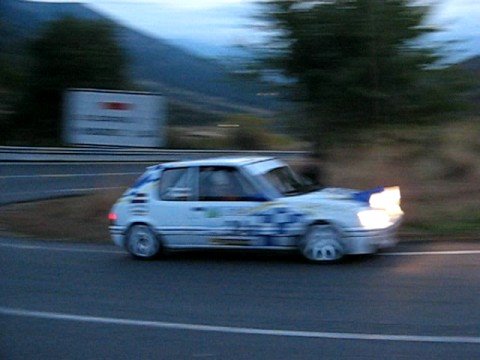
x,y
163,66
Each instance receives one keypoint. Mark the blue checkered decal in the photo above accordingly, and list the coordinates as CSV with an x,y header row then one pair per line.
x,y
278,221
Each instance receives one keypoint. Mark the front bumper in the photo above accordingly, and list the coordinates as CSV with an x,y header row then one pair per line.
x,y
361,241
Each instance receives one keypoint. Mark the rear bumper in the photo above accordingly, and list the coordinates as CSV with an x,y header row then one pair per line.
x,y
117,234
361,241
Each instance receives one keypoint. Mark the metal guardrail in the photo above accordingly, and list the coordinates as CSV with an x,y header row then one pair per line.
x,y
96,154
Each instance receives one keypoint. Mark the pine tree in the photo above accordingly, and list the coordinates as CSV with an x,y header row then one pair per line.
x,y
68,53
355,64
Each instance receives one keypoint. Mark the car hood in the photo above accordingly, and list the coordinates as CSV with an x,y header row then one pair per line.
x,y
338,205
327,194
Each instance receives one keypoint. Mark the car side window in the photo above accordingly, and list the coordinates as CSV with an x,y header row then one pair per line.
x,y
224,184
175,185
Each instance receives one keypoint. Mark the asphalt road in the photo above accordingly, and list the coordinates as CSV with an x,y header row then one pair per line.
x,y
89,301
33,181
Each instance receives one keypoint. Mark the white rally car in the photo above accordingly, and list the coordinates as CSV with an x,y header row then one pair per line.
x,y
250,203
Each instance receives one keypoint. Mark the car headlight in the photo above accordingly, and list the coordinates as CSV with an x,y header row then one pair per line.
x,y
388,200
374,219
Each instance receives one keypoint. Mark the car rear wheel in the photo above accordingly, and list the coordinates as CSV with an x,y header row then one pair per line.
x,y
321,244
142,242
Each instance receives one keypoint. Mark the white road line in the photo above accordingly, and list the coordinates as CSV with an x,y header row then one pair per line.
x,y
77,163
57,248
68,175
42,192
240,330
419,253
69,248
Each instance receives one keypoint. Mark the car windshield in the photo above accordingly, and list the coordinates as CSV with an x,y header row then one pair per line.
x,y
287,182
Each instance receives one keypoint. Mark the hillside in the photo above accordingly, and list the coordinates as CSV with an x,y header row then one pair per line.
x,y
187,79
472,67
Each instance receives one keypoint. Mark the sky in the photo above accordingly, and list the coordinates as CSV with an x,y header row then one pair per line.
x,y
461,21
206,27
215,27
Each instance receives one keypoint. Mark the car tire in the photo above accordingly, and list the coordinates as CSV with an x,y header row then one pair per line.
x,y
321,244
142,243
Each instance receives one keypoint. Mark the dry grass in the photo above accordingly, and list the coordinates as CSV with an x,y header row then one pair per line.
x,y
81,218
437,170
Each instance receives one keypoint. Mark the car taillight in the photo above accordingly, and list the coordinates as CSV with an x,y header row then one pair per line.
x,y
112,217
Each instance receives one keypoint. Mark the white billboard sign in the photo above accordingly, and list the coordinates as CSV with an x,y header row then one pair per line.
x,y
97,117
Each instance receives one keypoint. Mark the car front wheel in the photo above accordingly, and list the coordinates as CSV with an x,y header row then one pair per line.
x,y
321,244
142,242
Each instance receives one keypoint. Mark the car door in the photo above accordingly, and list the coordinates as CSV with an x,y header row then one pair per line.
x,y
226,201
172,207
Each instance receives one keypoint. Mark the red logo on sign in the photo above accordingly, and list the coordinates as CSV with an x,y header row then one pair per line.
x,y
116,106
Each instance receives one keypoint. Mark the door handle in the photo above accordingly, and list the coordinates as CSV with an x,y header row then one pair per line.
x,y
198,208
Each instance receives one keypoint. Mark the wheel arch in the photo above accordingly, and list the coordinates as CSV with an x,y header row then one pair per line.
x,y
304,240
324,222
159,236
137,249
321,222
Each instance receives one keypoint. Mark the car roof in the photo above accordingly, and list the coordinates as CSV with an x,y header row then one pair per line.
x,y
219,161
